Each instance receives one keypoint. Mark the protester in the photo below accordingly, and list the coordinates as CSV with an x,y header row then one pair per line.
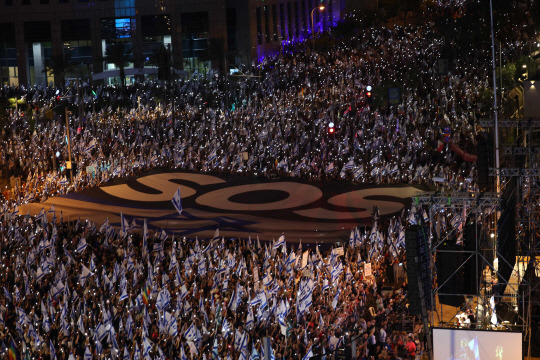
x,y
76,291
73,291
279,125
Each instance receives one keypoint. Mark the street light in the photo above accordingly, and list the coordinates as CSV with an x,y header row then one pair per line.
x,y
525,72
321,8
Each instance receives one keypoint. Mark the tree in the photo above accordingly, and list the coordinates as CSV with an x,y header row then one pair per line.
x,y
162,58
345,28
216,53
58,65
117,54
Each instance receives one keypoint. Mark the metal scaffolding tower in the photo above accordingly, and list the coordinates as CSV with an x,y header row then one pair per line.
x,y
520,169
479,209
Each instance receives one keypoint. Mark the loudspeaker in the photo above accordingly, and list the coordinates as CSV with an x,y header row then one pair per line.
x,y
505,312
449,275
506,235
418,272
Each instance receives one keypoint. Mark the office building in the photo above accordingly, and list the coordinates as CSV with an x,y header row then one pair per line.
x,y
80,38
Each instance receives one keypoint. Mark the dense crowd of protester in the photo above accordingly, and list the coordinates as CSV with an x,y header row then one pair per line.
x,y
73,291
279,125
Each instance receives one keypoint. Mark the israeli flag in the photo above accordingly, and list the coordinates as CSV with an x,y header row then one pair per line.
x,y
329,168
173,324
86,273
456,220
352,238
191,333
280,242
183,292
137,354
129,327
80,324
308,355
250,319
325,285
401,238
82,245
225,328
41,216
215,350
182,353
87,354
263,134
53,352
124,295
146,347
39,274
58,288
177,201
336,298
212,155
254,354
349,165
256,300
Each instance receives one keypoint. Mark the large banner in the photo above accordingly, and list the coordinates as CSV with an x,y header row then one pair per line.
x,y
239,206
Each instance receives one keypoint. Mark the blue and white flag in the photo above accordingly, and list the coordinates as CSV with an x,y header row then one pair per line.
x,y
191,333
177,201
359,172
212,155
325,285
352,238
215,350
163,299
183,353
87,354
225,328
250,319
53,352
146,348
309,354
336,299
349,165
81,246
172,324
401,239
41,217
85,274
254,353
456,221
137,353
124,225
124,295
129,327
280,242
329,168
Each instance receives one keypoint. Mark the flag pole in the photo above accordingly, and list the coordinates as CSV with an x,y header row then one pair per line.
x,y
69,147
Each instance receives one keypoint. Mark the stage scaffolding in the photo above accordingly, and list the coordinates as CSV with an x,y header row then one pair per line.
x,y
481,208
521,159
520,181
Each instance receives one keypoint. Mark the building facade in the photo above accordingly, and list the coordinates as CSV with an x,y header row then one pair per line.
x,y
90,38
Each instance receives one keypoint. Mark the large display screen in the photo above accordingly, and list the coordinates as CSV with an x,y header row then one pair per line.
x,y
457,344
